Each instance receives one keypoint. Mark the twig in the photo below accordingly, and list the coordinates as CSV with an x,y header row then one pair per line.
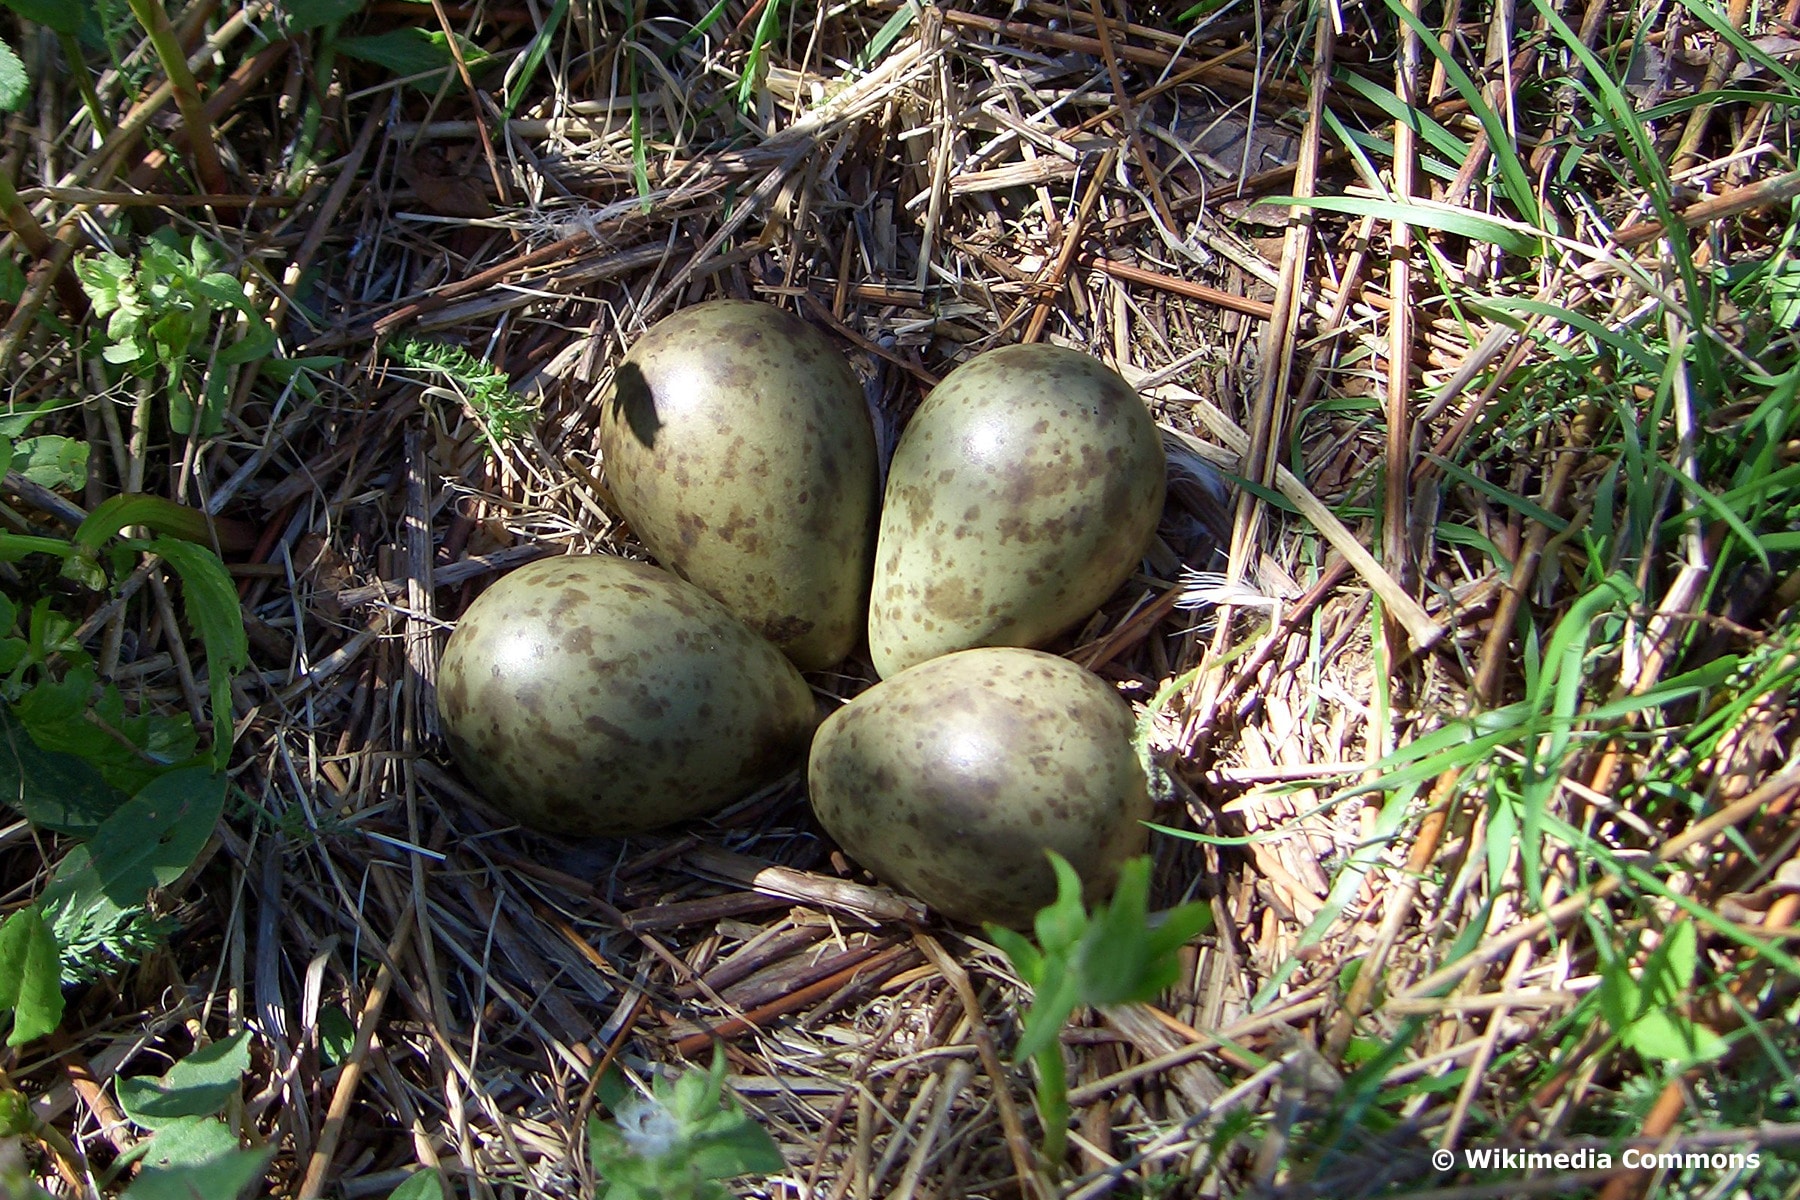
x,y
155,20
313,1184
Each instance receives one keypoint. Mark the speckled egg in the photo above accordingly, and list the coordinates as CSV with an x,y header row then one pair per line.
x,y
1022,494
738,445
593,695
950,780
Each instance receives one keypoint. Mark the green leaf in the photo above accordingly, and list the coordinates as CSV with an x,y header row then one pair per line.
x,y
310,14
213,610
30,976
1673,1038
1052,1002
410,50
147,843
60,16
741,1147
15,422
1060,924
420,1185
17,546
196,1157
12,280
15,85
518,83
53,462
1025,959
337,1034
53,791
154,512
199,1085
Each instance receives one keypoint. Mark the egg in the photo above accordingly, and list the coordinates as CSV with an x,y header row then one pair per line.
x,y
738,446
1021,495
950,780
590,694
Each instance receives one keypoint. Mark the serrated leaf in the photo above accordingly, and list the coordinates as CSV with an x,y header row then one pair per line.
x,y
53,462
199,1085
213,610
53,791
15,85
30,976
196,1157
420,1185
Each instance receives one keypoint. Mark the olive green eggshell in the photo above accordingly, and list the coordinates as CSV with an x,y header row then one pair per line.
x,y
1022,494
738,445
950,780
593,695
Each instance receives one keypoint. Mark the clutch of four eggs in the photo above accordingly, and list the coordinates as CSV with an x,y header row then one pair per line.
x,y
595,695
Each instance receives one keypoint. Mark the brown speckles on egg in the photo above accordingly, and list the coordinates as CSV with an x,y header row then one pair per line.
x,y
779,527
971,769
633,701
1067,505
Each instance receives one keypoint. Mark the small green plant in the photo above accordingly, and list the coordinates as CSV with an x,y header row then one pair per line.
x,y
133,788
678,1142
485,388
92,915
1113,956
160,309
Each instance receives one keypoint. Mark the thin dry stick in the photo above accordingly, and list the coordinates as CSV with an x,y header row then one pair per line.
x,y
1057,275
1397,908
1268,415
1262,310
481,127
1152,180
1778,190
1419,626
1394,521
1687,151
345,1093
1784,784
1031,1180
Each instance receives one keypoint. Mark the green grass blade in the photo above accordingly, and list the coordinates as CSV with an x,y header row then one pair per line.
x,y
534,57
1500,495
1627,349
1428,129
1450,220
1515,179
1720,509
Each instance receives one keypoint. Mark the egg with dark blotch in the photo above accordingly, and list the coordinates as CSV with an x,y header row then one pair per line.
x,y
738,445
1022,494
950,781
592,695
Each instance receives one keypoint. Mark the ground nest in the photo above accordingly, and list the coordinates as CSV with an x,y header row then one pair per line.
x,y
1481,694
